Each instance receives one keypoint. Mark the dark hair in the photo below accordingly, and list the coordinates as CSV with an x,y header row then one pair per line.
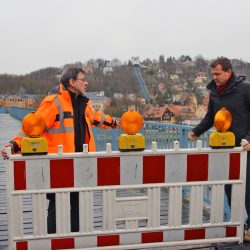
x,y
223,61
69,72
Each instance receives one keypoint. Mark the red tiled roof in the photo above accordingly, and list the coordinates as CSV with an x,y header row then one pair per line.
x,y
174,109
155,112
178,110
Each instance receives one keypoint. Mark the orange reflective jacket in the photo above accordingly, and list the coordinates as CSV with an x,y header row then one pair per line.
x,y
61,131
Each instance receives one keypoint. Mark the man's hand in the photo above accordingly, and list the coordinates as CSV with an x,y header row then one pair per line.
x,y
118,123
4,151
192,136
115,123
245,145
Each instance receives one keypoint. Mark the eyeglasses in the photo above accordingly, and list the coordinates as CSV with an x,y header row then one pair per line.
x,y
83,80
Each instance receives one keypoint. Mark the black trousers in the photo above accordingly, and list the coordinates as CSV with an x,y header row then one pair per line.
x,y
74,213
228,190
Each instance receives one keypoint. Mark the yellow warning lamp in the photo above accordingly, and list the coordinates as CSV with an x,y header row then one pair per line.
x,y
33,126
222,138
131,123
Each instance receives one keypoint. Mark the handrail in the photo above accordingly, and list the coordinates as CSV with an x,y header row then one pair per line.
x,y
163,133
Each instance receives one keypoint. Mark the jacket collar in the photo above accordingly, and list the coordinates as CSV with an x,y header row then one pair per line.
x,y
235,80
61,90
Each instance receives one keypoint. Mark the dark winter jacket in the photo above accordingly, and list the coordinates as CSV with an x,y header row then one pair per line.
x,y
236,99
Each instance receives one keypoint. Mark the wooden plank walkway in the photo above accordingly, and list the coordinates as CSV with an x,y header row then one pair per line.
x,y
9,127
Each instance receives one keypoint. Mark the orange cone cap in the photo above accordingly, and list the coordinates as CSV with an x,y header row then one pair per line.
x,y
222,120
33,124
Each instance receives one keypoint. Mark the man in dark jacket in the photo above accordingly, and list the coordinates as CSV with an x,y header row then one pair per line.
x,y
233,93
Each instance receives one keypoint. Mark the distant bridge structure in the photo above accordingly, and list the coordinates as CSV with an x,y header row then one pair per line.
x,y
143,87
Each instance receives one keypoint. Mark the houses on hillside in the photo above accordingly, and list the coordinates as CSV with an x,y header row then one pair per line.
x,y
159,114
98,100
189,115
20,101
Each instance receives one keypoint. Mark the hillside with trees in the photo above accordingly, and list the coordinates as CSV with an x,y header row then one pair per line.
x,y
169,80
38,82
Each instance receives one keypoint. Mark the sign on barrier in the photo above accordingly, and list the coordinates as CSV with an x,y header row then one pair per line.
x,y
128,191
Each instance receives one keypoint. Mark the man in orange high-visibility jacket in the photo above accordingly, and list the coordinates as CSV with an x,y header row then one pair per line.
x,y
68,116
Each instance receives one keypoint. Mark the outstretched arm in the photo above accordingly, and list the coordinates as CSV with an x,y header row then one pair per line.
x,y
99,119
206,123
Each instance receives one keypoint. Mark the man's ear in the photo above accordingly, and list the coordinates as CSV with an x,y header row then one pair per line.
x,y
71,82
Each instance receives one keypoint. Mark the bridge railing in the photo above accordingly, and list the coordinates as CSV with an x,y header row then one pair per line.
x,y
3,110
163,133
138,197
16,112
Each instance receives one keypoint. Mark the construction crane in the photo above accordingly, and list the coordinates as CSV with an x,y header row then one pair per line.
x,y
143,87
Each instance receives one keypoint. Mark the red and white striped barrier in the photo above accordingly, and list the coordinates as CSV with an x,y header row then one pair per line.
x,y
130,240
155,171
119,169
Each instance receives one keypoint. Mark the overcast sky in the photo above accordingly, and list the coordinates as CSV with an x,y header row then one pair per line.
x,y
36,34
